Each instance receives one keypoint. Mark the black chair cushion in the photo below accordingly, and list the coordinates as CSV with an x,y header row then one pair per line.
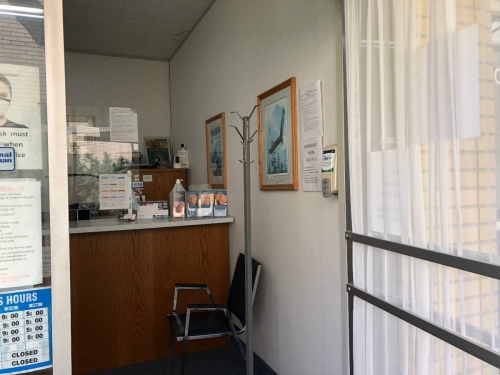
x,y
202,323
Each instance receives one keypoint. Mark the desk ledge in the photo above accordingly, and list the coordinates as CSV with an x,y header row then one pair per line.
x,y
114,225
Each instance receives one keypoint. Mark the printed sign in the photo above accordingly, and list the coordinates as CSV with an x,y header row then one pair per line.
x,y
123,125
46,261
147,178
114,192
20,233
312,159
137,185
20,114
7,159
26,330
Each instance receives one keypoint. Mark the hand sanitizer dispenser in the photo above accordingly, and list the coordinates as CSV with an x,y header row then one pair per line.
x,y
329,171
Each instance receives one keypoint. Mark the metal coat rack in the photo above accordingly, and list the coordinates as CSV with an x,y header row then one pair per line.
x,y
246,139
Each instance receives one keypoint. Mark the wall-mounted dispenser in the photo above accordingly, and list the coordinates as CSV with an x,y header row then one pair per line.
x,y
329,171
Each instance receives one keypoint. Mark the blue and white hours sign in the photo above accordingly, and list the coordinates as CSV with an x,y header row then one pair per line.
x,y
25,331
7,159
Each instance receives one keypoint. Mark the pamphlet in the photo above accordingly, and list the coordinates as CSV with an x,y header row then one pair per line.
x,y
192,203
179,204
207,203
220,208
153,210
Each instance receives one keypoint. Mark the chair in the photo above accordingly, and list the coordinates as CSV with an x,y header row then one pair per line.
x,y
212,320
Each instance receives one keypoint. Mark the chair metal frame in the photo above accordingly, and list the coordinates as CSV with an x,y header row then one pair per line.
x,y
205,307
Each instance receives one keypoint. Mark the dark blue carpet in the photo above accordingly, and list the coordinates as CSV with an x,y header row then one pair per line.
x,y
223,361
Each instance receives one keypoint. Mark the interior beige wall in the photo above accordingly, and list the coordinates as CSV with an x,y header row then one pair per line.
x,y
239,50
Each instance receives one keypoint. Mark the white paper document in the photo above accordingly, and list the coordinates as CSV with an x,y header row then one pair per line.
x,y
311,111
114,192
20,233
312,159
123,125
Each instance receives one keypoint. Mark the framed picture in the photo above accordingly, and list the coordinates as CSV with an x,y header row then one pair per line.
x,y
216,151
158,148
278,166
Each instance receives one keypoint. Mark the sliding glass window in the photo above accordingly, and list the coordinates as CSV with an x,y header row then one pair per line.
x,y
423,154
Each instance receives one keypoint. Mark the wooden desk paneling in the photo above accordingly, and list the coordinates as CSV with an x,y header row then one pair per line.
x,y
163,182
122,286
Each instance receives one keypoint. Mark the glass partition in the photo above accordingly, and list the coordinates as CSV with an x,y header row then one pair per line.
x,y
91,154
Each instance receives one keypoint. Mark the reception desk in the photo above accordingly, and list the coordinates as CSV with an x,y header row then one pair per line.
x,y
122,286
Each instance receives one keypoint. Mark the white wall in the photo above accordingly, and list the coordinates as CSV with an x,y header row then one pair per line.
x,y
94,83
239,50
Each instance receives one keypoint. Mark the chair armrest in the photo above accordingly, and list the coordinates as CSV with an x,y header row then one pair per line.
x,y
185,286
202,307
206,307
190,286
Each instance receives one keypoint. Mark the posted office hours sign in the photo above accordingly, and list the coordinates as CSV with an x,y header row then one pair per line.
x,y
25,331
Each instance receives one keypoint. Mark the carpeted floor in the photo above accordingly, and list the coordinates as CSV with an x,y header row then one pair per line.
x,y
223,361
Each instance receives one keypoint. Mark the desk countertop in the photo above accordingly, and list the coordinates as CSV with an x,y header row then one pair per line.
x,y
114,225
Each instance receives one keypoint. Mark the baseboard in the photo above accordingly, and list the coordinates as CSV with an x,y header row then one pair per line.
x,y
261,363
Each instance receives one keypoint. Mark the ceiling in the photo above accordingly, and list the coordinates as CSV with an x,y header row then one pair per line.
x,y
150,29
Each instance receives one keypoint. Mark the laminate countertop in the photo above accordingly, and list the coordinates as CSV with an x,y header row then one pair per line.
x,y
114,225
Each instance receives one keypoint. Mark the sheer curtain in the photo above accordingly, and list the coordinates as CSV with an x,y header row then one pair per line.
x,y
422,124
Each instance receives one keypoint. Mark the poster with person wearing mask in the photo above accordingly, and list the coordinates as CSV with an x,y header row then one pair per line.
x,y
20,114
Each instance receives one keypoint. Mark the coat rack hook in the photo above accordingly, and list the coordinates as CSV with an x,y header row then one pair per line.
x,y
238,130
253,135
238,114
253,110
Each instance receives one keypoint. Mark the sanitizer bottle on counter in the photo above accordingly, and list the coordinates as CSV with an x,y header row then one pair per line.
x,y
183,154
178,199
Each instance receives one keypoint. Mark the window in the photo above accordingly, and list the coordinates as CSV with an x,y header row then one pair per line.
x,y
423,114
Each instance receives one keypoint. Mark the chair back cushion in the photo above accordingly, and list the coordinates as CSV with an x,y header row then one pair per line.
x,y
236,298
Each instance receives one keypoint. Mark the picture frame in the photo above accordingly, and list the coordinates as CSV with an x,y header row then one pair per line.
x,y
158,147
215,129
278,154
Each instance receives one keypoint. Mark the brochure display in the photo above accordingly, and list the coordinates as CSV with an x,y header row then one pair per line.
x,y
192,204
220,208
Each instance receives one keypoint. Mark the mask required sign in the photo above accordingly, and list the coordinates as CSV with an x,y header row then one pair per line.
x,y
7,159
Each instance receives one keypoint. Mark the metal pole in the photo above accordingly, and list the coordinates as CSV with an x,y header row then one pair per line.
x,y
248,245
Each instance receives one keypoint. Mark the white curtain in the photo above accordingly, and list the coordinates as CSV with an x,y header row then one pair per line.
x,y
421,112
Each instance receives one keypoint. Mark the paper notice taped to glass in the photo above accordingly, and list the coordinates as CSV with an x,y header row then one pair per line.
x,y
123,125
20,233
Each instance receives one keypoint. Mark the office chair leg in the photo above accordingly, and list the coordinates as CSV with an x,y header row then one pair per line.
x,y
184,350
170,353
237,339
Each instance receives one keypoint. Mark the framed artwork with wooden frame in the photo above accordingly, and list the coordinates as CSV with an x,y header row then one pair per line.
x,y
158,148
216,151
278,165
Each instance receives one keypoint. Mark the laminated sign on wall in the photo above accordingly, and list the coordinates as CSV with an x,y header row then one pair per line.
x,y
20,233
